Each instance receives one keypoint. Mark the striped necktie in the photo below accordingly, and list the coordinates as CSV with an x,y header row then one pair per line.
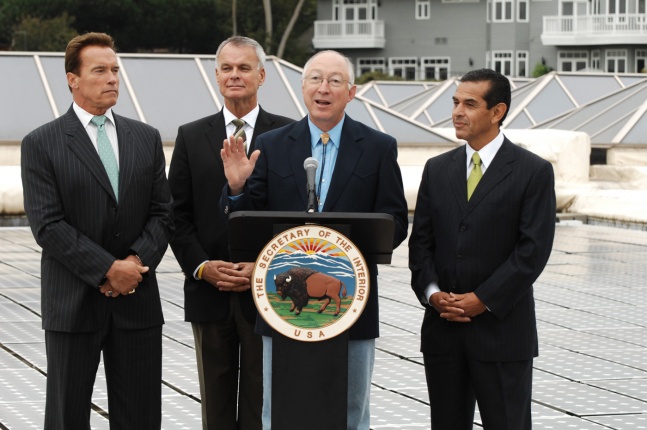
x,y
239,123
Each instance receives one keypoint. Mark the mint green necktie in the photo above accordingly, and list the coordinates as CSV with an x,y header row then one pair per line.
x,y
106,153
475,175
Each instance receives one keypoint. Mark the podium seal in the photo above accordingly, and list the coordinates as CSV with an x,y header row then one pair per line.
x,y
310,283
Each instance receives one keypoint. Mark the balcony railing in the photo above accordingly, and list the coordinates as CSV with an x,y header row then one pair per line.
x,y
348,34
595,29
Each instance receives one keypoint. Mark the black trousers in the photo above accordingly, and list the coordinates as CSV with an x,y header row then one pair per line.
x,y
230,368
503,391
133,366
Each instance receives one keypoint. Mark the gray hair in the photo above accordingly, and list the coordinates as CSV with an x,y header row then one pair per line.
x,y
240,41
349,65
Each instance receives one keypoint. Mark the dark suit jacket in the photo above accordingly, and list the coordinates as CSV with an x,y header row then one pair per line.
x,y
196,176
495,245
82,229
366,178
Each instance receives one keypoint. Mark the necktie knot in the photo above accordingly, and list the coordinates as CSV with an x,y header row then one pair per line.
x,y
239,123
325,137
476,159
99,120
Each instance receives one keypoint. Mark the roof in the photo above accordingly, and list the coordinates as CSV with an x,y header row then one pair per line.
x,y
167,91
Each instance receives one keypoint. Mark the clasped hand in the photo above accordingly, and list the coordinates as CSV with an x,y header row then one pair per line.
x,y
233,277
123,276
457,307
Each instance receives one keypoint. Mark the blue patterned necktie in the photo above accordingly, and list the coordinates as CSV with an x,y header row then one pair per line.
x,y
325,137
106,153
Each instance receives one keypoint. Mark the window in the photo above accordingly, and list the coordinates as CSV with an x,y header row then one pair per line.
x,y
403,67
522,10
617,6
572,61
504,10
435,68
595,60
354,10
641,60
596,7
522,64
501,10
365,65
616,60
423,9
502,61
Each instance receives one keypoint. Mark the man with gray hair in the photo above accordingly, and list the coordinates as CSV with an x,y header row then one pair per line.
x,y
218,300
358,172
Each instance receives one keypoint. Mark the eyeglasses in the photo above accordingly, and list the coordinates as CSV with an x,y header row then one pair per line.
x,y
316,80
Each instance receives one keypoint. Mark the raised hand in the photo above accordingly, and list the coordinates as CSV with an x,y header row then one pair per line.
x,y
237,166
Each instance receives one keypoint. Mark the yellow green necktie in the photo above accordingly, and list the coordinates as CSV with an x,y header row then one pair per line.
x,y
475,175
106,153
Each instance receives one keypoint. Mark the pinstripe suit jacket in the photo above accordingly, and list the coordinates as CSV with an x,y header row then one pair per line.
x,y
82,229
196,173
495,245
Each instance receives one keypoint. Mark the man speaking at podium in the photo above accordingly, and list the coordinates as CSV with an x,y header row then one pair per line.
x,y
357,172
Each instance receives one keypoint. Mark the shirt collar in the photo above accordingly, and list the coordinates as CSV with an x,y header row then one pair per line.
x,y
85,117
334,133
486,153
250,118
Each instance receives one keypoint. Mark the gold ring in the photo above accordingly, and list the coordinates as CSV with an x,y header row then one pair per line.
x,y
132,291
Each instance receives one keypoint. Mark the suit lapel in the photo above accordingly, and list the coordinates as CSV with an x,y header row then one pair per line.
x,y
457,174
80,144
215,135
127,156
350,149
263,124
299,150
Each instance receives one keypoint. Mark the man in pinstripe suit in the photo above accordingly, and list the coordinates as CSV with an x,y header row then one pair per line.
x,y
101,243
474,254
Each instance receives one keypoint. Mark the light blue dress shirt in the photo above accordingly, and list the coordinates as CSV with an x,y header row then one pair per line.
x,y
324,177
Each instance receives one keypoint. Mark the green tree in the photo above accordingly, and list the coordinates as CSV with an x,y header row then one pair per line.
x,y
540,70
36,34
296,48
182,26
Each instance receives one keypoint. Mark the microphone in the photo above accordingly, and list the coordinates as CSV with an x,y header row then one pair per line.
x,y
310,165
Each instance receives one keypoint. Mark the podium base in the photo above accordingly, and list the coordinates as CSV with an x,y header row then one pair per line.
x,y
309,383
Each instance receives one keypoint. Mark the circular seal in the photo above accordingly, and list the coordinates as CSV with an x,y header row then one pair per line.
x,y
310,283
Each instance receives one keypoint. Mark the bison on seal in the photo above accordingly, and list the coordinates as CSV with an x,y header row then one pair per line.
x,y
302,284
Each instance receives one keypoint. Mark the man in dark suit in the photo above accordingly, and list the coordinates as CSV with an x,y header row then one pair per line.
x,y
217,297
474,253
104,227
358,172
